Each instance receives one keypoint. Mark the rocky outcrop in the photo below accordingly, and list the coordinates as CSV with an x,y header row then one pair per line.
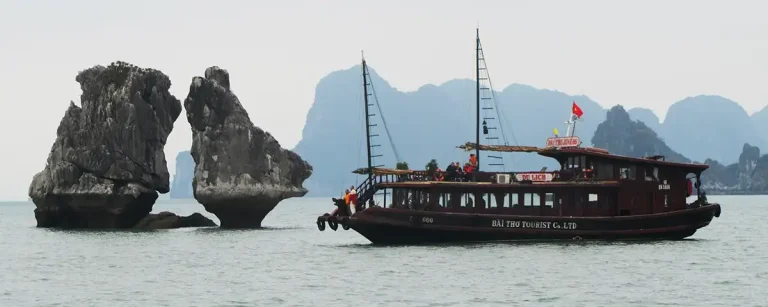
x,y
181,188
619,134
748,176
107,163
241,172
168,220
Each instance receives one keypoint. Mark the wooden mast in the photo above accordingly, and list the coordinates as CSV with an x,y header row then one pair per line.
x,y
367,121
477,93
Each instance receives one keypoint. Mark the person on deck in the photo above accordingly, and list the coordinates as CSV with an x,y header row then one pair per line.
x,y
352,200
451,171
459,172
346,200
439,176
468,169
473,160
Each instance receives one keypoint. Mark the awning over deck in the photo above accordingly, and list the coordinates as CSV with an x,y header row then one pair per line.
x,y
469,146
382,171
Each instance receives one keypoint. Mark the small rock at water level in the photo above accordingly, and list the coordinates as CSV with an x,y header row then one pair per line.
x,y
241,172
167,220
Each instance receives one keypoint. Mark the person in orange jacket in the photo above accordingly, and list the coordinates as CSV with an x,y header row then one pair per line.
x,y
346,199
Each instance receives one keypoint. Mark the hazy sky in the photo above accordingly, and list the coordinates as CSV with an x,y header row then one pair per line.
x,y
643,53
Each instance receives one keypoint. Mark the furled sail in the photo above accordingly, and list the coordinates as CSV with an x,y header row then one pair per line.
x,y
469,146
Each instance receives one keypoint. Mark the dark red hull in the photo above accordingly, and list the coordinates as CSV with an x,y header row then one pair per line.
x,y
399,226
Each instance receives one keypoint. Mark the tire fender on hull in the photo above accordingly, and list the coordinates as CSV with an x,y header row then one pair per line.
x,y
344,223
333,224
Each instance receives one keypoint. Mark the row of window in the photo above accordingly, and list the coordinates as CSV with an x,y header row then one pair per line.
x,y
404,198
604,170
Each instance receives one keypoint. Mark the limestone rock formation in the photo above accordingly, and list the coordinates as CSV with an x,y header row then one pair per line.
x,y
107,163
748,176
241,172
619,134
168,220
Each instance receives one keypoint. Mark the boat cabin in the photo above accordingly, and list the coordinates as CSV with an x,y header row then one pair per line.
x,y
590,182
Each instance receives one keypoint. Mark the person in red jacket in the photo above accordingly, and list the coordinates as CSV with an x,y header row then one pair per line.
x,y
468,169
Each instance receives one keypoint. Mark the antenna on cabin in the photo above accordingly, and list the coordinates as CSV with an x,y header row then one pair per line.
x,y
571,122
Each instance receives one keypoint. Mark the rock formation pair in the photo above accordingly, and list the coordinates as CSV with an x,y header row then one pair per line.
x,y
107,165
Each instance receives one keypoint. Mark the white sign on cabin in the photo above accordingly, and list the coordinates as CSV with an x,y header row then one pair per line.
x,y
536,177
570,141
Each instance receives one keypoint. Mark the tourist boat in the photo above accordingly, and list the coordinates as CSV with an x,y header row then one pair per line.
x,y
594,195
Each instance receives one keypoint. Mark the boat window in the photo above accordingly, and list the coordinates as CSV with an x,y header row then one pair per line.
x,y
604,170
583,162
535,199
455,200
593,201
513,200
576,162
627,172
549,200
651,173
482,200
469,200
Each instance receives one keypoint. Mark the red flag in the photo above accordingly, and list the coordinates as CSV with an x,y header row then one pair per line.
x,y
576,110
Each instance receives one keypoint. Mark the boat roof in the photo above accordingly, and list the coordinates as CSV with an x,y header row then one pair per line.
x,y
555,152
492,185
602,153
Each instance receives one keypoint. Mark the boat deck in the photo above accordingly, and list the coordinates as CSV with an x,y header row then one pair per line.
x,y
458,184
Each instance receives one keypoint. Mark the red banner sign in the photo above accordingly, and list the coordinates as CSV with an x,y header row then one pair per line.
x,y
570,141
537,177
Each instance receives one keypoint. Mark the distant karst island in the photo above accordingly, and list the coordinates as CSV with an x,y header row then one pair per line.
x,y
107,165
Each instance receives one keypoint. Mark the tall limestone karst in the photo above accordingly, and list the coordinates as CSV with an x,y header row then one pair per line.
x,y
107,164
241,172
619,134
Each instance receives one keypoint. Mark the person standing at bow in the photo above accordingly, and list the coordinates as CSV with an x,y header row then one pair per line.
x,y
346,200
352,200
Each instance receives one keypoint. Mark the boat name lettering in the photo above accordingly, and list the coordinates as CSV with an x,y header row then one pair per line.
x,y
428,220
664,187
536,177
501,223
569,141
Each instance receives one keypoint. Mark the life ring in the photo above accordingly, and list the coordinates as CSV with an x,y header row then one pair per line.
x,y
333,225
320,225
344,223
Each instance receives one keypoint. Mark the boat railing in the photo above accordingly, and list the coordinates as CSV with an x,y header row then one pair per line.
x,y
420,176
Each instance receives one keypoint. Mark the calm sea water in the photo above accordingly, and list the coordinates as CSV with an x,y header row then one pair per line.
x,y
291,263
